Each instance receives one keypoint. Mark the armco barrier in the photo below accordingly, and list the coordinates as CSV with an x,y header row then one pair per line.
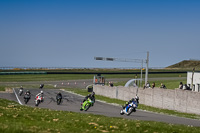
x,y
179,100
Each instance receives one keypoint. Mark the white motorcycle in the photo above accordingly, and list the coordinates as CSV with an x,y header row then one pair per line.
x,y
20,91
38,100
131,107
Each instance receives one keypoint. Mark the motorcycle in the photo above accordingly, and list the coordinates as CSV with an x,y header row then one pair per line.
x,y
41,86
86,105
38,100
20,91
59,100
27,97
131,107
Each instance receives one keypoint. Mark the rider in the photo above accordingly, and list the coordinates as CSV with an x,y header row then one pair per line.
x,y
21,88
91,96
127,103
59,95
27,92
41,86
133,100
41,95
136,99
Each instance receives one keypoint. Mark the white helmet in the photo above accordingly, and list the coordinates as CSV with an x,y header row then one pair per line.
x,y
41,92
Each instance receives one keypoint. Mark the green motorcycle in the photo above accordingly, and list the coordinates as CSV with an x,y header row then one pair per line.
x,y
87,104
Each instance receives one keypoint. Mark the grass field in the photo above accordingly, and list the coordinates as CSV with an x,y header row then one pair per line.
x,y
52,77
18,118
2,88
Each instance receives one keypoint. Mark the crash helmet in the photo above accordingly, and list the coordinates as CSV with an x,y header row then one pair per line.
x,y
41,92
126,102
133,99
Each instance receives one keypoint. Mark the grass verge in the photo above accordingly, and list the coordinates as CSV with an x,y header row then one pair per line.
x,y
2,88
53,77
18,118
141,106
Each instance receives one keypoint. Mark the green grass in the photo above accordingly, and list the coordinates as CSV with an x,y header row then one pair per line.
x,y
53,77
18,118
141,106
2,88
43,77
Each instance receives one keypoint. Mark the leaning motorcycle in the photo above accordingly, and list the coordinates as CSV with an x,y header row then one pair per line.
x,y
87,104
38,100
59,100
27,98
129,108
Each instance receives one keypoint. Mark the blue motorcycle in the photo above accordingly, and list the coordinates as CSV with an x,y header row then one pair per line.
x,y
131,107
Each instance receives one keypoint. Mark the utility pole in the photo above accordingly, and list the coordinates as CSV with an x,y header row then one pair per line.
x,y
141,75
147,67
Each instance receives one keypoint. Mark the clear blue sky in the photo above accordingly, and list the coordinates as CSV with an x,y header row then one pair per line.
x,y
70,33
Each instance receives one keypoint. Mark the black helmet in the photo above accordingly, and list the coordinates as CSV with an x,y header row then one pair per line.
x,y
133,99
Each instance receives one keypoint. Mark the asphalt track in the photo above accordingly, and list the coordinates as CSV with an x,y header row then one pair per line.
x,y
71,102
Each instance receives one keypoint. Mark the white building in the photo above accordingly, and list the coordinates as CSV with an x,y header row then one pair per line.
x,y
195,81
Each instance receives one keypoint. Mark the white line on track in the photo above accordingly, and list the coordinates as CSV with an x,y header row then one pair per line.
x,y
17,97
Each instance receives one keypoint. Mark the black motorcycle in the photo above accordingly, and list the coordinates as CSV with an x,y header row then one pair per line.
x,y
59,99
27,97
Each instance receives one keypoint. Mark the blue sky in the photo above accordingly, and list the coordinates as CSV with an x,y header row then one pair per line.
x,y
70,33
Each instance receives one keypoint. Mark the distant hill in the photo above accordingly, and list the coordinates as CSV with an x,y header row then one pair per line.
x,y
186,64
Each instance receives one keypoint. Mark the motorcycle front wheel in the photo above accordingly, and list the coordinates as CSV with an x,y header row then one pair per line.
x,y
37,103
58,101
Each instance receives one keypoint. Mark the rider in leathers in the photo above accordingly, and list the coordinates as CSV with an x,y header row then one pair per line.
x,y
40,94
91,96
59,95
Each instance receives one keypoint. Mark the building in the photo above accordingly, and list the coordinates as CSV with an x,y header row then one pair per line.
x,y
194,78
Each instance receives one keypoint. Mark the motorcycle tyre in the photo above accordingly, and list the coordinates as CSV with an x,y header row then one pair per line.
x,y
26,100
37,103
58,101
122,112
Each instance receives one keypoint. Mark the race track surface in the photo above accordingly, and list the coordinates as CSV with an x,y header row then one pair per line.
x,y
71,102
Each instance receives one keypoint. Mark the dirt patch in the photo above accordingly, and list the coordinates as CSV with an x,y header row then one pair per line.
x,y
7,90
